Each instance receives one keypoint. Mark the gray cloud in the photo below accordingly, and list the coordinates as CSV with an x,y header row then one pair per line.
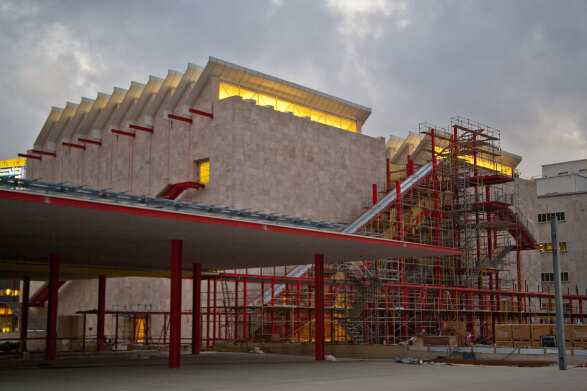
x,y
518,66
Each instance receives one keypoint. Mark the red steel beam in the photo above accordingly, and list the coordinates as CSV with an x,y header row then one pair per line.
x,y
179,118
89,141
45,153
319,306
122,133
51,336
202,113
175,305
73,145
24,313
141,128
197,308
101,338
28,156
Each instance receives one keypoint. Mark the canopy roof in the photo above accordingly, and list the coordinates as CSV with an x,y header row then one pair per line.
x,y
109,235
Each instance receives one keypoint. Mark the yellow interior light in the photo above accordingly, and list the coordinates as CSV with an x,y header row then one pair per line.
x,y
204,172
483,163
227,90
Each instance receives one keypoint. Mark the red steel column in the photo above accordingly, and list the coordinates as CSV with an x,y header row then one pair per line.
x,y
319,306
24,313
374,193
101,339
175,305
196,308
51,338
245,311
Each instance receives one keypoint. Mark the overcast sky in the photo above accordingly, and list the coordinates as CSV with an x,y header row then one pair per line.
x,y
520,66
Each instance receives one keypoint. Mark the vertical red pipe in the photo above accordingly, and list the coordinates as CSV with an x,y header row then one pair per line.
x,y
214,318
175,305
208,291
319,306
197,308
374,193
398,211
51,338
489,233
24,313
101,339
519,269
245,312
410,167
387,175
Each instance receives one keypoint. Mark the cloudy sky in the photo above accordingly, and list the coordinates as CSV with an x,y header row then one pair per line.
x,y
520,66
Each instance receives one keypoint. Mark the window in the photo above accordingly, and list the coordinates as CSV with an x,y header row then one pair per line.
x,y
203,171
549,277
547,247
545,217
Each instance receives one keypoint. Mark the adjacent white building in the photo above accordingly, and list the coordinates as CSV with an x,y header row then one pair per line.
x,y
560,193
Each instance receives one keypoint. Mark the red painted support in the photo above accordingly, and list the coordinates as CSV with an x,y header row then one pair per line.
x,y
519,269
28,156
374,193
387,175
24,313
89,141
245,312
101,338
489,234
72,145
141,128
179,118
319,306
202,113
119,132
44,153
175,305
197,308
51,336
410,167
214,318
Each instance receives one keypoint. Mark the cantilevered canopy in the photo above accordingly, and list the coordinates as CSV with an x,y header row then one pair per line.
x,y
107,235
272,85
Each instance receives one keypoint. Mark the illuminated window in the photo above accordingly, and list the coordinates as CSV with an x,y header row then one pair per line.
x,y
547,247
139,327
203,171
226,90
11,292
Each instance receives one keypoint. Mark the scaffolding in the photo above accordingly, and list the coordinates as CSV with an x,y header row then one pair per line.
x,y
461,197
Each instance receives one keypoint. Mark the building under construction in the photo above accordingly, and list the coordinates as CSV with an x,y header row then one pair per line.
x,y
415,232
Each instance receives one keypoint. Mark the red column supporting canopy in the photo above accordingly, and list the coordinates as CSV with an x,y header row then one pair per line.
x,y
197,309
51,337
175,305
101,338
319,306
